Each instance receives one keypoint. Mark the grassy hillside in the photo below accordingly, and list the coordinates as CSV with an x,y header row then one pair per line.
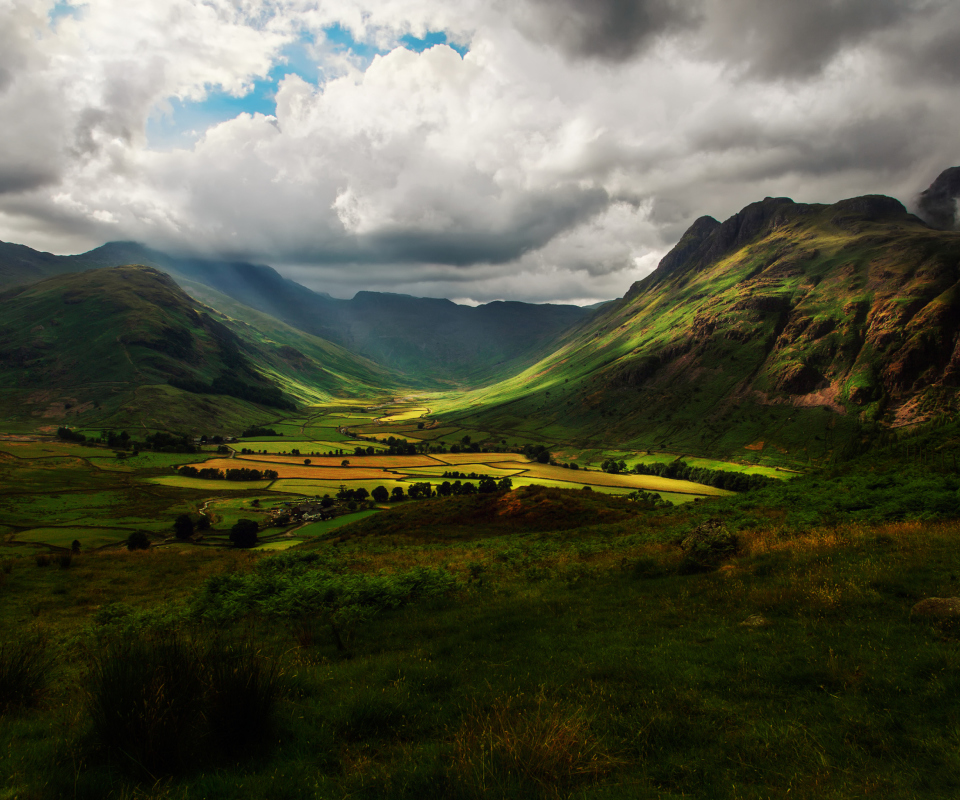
x,y
127,347
541,643
780,335
434,342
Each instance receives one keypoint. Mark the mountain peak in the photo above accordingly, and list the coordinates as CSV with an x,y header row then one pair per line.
x,y
938,203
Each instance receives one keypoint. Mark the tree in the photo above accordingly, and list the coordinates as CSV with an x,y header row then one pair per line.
x,y
183,527
138,540
361,494
244,533
397,493
419,426
306,462
504,485
345,463
380,494
75,546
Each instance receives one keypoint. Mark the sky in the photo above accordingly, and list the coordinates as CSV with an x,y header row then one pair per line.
x,y
535,150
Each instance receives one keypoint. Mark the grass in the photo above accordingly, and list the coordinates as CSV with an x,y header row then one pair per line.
x,y
24,672
179,482
324,527
64,537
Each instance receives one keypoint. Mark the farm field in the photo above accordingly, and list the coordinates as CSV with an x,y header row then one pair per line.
x,y
320,487
63,537
179,482
535,471
324,527
383,462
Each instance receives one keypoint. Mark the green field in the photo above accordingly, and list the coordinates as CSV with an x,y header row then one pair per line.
x,y
324,527
209,486
64,537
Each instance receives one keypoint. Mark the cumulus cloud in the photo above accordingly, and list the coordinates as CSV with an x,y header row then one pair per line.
x,y
568,149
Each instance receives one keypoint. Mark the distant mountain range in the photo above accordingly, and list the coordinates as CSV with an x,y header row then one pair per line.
x,y
790,328
434,342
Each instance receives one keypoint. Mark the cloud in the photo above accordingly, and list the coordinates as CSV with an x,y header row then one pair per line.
x,y
570,146
609,30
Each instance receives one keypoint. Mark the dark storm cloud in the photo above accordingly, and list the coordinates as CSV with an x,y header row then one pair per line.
x,y
23,177
795,38
609,30
531,226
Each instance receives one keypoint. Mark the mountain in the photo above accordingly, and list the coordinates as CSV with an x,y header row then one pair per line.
x,y
127,345
435,342
788,329
938,204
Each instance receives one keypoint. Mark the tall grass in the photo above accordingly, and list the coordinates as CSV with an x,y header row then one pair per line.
x,y
242,687
161,702
145,695
24,671
526,750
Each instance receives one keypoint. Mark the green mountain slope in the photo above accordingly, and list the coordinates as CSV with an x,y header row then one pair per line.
x,y
435,342
127,346
786,329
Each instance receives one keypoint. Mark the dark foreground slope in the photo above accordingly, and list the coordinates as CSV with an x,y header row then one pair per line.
x,y
128,346
431,340
788,325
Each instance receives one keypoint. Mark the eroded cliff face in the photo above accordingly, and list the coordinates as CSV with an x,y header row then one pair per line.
x,y
854,306
939,204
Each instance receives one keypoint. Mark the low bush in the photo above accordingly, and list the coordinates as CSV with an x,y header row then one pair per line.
x,y
138,540
708,545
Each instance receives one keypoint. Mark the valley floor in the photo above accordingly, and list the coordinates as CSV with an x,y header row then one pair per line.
x,y
539,642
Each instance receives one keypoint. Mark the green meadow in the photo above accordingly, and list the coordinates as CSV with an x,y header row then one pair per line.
x,y
543,642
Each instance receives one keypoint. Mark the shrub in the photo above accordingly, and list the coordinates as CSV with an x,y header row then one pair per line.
x,y
138,540
24,667
244,533
64,560
183,526
75,546
708,545
42,559
144,702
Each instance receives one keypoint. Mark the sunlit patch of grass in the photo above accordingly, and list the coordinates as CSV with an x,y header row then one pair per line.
x,y
526,747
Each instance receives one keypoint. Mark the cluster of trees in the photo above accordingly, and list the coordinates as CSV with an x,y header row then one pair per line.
x,y
234,387
241,474
70,436
681,471
538,453
256,430
395,447
184,526
485,486
614,467
160,442
454,474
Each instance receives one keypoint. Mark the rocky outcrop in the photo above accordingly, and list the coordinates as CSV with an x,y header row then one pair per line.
x,y
938,203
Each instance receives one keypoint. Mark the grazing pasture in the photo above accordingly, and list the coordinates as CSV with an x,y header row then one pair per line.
x,y
535,471
64,537
210,486
383,462
321,487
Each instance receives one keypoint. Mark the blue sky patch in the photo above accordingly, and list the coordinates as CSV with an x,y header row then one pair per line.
x,y
187,120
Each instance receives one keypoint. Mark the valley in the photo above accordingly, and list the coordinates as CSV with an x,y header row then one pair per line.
x,y
700,541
